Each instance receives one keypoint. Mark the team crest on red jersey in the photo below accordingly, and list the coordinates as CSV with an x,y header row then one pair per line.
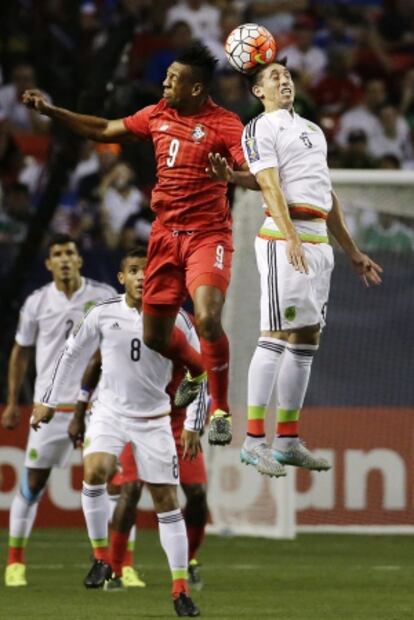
x,y
198,133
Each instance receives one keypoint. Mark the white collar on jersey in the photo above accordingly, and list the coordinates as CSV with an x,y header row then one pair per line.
x,y
128,308
78,291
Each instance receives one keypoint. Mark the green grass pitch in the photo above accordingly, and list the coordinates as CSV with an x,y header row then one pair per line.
x,y
315,577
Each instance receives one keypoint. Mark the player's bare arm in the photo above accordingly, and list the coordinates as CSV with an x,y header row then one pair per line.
x,y
369,271
90,380
18,363
91,127
42,414
190,440
276,203
220,170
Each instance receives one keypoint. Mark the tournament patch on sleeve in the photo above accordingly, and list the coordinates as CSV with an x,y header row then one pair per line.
x,y
252,149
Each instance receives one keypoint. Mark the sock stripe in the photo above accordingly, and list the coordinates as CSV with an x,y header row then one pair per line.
x,y
276,348
171,519
302,352
93,492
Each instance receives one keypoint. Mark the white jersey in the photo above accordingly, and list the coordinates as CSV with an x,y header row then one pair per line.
x,y
133,378
297,149
46,321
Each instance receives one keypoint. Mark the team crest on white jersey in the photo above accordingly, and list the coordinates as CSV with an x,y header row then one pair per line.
x,y
198,133
252,150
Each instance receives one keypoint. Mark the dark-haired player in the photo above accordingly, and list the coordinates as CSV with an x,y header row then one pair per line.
x,y
133,406
46,321
287,158
190,246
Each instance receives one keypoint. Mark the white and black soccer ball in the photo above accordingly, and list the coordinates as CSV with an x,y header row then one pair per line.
x,y
248,46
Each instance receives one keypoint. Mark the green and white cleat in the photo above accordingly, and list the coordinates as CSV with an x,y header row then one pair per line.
x,y
219,432
15,575
294,452
188,389
262,458
194,576
114,584
131,578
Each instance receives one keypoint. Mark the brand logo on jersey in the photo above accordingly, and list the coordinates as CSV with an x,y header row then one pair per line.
x,y
198,133
252,150
290,313
164,127
306,140
115,325
88,306
33,454
312,127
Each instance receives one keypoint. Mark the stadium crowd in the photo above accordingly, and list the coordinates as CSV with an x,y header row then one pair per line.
x,y
352,62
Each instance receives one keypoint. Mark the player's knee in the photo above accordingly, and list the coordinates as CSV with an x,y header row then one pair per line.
x,y
33,483
95,473
208,323
196,496
131,492
164,497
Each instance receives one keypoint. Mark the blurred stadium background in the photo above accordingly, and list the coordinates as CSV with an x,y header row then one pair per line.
x,y
353,63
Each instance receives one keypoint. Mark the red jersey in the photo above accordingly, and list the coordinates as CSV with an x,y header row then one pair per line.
x,y
184,197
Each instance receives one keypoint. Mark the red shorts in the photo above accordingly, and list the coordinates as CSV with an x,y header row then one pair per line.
x,y
191,472
180,261
128,471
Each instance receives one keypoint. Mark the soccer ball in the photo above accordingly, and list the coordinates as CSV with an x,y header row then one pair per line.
x,y
248,46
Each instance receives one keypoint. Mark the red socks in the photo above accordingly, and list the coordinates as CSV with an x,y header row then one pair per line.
x,y
216,357
101,553
179,350
16,554
119,543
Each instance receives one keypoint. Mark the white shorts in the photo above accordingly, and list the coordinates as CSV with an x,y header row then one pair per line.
x,y
290,299
50,446
151,438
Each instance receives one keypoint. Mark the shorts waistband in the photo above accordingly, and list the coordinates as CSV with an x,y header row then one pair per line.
x,y
276,235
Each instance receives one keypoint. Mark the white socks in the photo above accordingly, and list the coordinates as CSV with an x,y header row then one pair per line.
x,y
95,506
173,538
263,371
294,375
22,516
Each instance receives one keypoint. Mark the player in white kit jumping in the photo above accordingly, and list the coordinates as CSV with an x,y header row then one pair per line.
x,y
287,155
131,406
46,320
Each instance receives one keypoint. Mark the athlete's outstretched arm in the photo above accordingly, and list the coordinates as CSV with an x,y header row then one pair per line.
x,y
19,359
91,127
219,169
369,271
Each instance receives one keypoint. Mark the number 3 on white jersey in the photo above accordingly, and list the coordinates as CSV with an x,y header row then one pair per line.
x,y
173,152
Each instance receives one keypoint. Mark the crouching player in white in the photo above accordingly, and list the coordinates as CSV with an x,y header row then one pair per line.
x,y
132,405
46,320
287,155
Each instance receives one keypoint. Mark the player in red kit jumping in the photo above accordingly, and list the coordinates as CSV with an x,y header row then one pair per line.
x,y
190,246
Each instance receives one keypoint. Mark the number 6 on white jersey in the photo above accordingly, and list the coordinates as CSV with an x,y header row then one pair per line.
x,y
173,152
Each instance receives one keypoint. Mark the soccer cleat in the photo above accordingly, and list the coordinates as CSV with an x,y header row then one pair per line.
x,y
99,573
114,584
262,458
131,578
184,606
295,453
188,389
219,432
194,576
15,575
